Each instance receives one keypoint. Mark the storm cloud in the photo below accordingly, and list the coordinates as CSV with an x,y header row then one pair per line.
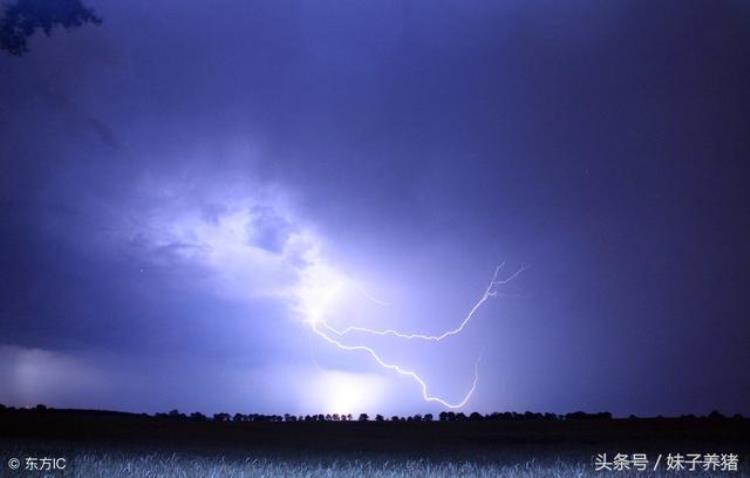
x,y
176,181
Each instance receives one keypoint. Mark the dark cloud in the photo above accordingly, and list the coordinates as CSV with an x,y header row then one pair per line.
x,y
268,230
163,187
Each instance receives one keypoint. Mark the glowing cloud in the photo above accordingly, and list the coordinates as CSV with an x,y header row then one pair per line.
x,y
254,247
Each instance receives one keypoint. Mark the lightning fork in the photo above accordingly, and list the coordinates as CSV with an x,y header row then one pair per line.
x,y
402,371
489,292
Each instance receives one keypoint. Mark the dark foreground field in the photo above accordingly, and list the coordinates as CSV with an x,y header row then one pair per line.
x,y
115,444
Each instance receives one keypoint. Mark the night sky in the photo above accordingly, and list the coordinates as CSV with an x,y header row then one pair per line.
x,y
188,190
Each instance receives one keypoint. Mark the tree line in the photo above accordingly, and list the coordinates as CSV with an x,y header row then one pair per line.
x,y
364,417
446,416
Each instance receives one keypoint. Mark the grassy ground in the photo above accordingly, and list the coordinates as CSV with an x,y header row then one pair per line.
x,y
106,444
526,462
152,465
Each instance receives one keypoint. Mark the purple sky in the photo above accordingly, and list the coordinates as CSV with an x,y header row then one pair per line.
x,y
189,191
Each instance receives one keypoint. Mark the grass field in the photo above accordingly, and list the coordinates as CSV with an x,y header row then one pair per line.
x,y
114,462
115,465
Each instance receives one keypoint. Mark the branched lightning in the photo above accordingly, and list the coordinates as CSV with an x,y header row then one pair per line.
x,y
402,371
490,291
327,332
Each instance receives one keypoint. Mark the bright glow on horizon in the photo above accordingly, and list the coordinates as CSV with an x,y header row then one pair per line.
x,y
345,393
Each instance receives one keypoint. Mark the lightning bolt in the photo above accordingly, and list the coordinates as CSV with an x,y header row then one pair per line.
x,y
490,291
400,370
327,332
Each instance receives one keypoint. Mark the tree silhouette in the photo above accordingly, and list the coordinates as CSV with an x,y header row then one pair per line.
x,y
579,415
198,417
447,416
221,417
22,18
